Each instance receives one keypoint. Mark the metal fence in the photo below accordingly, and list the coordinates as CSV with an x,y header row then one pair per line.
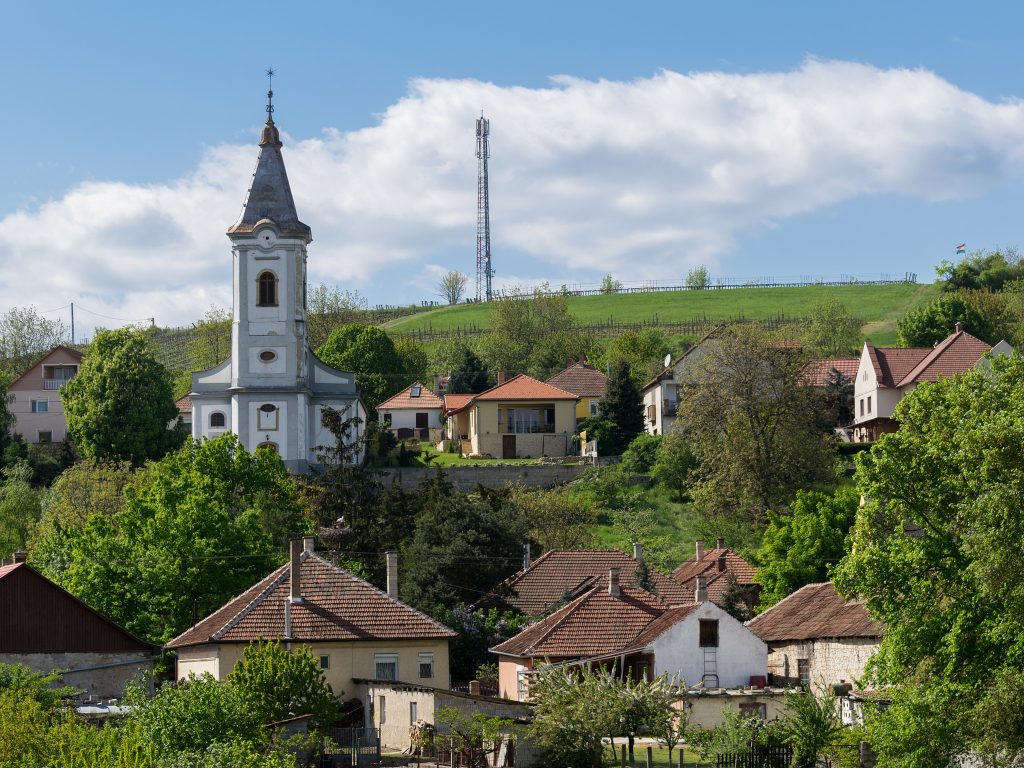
x,y
352,748
779,756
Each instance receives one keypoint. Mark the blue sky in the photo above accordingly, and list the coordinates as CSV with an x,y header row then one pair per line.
x,y
760,139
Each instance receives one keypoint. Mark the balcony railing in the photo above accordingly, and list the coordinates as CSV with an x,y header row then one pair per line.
x,y
669,407
55,384
525,429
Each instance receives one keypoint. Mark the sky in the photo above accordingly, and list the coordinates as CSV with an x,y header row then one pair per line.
x,y
757,139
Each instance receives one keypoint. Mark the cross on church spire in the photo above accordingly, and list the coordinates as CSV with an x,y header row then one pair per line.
x,y
270,95
270,133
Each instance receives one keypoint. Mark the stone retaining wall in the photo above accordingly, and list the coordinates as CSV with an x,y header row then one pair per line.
x,y
492,476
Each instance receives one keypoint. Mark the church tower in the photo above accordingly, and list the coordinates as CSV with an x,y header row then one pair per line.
x,y
272,390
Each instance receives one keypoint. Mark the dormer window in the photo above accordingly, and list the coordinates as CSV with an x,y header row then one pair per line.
x,y
415,391
267,289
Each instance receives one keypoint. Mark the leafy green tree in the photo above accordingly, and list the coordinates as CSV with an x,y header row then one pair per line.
x,y
120,403
644,350
831,331
328,307
468,373
478,630
277,683
800,546
642,453
675,462
474,737
553,519
812,727
414,361
600,429
698,277
990,270
936,553
369,352
623,406
19,507
984,314
839,390
25,336
573,712
610,285
25,682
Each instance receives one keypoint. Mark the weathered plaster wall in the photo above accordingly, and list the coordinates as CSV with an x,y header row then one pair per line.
x,y
102,675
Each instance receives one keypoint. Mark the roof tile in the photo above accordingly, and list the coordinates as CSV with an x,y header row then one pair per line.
x,y
813,612
581,379
523,387
404,400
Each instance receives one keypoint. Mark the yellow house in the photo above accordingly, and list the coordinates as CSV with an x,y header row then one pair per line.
x,y
353,629
584,381
522,418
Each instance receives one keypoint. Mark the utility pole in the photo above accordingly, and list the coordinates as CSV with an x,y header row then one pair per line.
x,y
72,323
483,212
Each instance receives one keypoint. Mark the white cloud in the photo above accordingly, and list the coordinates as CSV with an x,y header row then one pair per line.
x,y
642,178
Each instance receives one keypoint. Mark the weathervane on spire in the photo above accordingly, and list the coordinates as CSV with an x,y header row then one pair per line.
x,y
270,94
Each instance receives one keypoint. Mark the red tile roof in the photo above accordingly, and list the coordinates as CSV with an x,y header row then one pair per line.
x,y
563,574
816,372
891,364
456,403
581,379
523,387
184,405
404,400
814,612
715,571
336,606
956,354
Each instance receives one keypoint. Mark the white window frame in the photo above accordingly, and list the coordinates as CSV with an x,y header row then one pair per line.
x,y
45,406
426,660
384,658
413,712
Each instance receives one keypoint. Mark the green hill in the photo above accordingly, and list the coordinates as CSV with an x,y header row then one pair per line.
x,y
879,306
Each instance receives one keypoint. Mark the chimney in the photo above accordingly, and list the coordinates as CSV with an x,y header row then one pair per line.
x,y
501,377
959,327
392,574
526,556
474,687
20,556
721,562
700,549
701,595
613,582
638,551
720,543
583,359
295,575
308,545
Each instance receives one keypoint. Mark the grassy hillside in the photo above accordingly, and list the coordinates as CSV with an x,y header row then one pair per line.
x,y
878,305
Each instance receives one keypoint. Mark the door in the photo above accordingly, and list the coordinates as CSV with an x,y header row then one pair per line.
x,y
508,446
421,426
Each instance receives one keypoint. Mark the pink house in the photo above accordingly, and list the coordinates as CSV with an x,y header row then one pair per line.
x,y
34,397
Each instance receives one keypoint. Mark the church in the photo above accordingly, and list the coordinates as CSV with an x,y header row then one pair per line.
x,y
273,390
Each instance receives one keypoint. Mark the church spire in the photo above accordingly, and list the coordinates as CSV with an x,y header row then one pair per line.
x,y
270,194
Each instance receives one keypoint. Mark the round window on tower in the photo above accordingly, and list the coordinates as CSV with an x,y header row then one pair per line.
x,y
268,356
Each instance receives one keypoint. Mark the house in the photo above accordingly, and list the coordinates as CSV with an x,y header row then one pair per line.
x,y
818,372
662,394
584,381
561,575
413,412
637,635
886,374
184,406
723,571
354,629
46,628
521,418
273,392
456,422
816,638
34,397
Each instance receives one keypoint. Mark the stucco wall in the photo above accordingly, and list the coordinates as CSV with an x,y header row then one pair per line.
x,y
508,676
740,653
101,675
708,711
405,418
831,661
466,478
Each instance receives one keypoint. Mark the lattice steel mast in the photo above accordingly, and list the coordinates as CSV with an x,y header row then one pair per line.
x,y
483,212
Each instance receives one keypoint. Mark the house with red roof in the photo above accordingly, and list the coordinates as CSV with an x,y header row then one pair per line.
x,y
356,631
414,412
34,397
727,576
584,381
886,374
636,634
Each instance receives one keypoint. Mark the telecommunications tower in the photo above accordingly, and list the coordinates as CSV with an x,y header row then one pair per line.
x,y
483,212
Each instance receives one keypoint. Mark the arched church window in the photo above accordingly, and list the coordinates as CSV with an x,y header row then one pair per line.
x,y
216,419
267,289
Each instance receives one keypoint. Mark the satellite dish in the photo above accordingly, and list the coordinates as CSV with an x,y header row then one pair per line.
x,y
668,360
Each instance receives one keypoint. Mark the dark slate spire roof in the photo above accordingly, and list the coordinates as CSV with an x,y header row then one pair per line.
x,y
270,195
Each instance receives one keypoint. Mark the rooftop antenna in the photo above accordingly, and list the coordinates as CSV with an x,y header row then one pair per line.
x,y
484,272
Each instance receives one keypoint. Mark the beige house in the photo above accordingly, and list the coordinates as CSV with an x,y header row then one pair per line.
x,y
35,396
413,412
355,630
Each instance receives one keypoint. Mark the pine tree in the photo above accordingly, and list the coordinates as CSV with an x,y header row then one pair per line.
x,y
622,405
469,376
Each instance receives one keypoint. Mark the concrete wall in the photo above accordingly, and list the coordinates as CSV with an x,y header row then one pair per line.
x,y
739,655
708,710
831,661
492,476
102,675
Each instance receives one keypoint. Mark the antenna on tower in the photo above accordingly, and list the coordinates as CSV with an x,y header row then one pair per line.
x,y
484,272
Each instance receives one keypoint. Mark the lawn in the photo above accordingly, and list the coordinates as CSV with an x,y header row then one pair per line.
x,y
439,459
659,757
878,305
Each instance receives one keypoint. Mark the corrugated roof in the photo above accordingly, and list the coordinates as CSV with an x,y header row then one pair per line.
x,y
336,606
581,379
814,612
405,401
816,373
563,574
523,387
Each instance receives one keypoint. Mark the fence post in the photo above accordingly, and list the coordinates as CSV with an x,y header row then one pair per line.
x,y
682,756
622,760
650,756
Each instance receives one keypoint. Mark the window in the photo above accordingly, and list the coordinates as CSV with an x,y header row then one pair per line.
x,y
268,356
45,436
266,417
385,666
864,376
387,419
40,406
869,404
642,670
426,665
862,406
382,710
709,633
413,713
651,413
755,710
593,407
521,684
803,671
415,391
216,419
267,290
325,662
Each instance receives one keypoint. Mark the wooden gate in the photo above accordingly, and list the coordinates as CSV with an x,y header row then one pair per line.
x,y
508,446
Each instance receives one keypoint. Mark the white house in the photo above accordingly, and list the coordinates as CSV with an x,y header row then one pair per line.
x,y
273,391
413,412
886,374
663,393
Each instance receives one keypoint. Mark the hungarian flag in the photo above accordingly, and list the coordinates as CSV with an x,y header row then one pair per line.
x,y
961,249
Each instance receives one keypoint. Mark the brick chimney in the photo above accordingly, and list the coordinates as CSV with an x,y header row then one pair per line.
x,y
501,376
613,582
958,328
638,551
700,549
719,543
295,568
721,562
20,556
701,595
392,558
308,544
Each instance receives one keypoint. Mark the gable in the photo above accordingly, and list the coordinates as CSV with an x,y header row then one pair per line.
x,y
32,378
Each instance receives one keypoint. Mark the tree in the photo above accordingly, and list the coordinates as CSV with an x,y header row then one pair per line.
x,y
414,361
610,285
328,307
839,390
757,430
573,713
474,737
19,507
452,286
644,350
831,331
468,374
990,270
812,727
478,631
553,519
623,406
370,353
642,453
44,688
26,335
801,546
698,277
277,683
675,462
120,403
936,553
984,314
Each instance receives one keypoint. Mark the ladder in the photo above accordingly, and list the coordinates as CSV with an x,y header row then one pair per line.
x,y
710,678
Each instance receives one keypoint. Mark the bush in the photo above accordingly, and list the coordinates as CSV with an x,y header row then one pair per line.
x,y
641,454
